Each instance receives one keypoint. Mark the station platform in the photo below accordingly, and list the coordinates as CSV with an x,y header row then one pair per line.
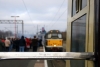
x,y
31,62
22,62
40,63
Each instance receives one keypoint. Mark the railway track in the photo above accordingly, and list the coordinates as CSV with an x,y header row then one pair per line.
x,y
56,63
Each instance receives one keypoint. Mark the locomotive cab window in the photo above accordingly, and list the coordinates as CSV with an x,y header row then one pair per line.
x,y
59,35
49,36
54,35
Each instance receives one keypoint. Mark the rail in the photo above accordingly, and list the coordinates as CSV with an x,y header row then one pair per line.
x,y
48,55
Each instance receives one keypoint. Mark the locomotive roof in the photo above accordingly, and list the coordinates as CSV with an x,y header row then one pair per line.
x,y
54,31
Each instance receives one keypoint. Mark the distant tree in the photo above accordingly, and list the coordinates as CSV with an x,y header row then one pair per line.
x,y
4,34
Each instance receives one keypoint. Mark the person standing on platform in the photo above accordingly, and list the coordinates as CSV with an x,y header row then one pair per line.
x,y
35,43
30,43
22,44
7,44
40,42
1,46
27,44
3,41
11,45
17,44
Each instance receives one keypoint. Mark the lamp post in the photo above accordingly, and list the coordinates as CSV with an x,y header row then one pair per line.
x,y
15,24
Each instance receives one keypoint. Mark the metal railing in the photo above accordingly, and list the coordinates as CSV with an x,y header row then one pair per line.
x,y
48,55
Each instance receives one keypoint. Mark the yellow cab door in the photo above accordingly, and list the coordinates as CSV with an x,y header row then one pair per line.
x,y
80,30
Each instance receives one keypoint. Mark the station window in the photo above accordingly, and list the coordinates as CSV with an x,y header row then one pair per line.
x,y
78,5
73,7
84,3
78,38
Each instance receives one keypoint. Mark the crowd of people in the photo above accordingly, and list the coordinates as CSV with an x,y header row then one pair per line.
x,y
20,44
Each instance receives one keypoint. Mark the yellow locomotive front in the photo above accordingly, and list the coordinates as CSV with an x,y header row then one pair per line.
x,y
54,41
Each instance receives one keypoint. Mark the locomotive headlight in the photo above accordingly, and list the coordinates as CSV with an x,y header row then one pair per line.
x,y
54,45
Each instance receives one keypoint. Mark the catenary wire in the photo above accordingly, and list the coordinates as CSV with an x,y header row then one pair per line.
x,y
27,10
57,11
58,18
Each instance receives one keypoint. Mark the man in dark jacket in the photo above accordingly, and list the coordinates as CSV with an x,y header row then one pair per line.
x,y
17,44
35,43
22,44
1,46
11,45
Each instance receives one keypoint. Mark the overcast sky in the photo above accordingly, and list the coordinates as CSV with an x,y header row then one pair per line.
x,y
35,12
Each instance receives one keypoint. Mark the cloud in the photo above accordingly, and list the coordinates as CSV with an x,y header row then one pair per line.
x,y
39,12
